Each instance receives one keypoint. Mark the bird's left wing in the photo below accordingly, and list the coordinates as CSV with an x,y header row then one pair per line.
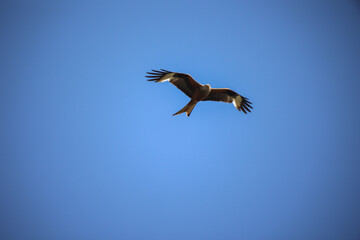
x,y
229,96
182,81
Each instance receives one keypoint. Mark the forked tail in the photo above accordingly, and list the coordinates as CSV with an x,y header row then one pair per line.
x,y
188,108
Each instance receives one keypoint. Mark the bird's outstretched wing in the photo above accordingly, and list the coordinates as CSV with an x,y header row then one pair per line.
x,y
182,81
229,96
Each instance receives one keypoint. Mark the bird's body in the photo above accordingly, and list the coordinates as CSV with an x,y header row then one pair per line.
x,y
198,92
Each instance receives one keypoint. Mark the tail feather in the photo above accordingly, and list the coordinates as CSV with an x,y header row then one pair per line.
x,y
188,108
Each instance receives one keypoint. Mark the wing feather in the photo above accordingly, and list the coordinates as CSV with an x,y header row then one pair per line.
x,y
221,95
182,81
229,96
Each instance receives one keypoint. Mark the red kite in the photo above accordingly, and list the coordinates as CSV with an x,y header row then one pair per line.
x,y
198,92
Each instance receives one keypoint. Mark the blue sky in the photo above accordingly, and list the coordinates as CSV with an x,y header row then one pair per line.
x,y
89,149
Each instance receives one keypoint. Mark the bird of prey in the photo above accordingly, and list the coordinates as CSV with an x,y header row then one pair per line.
x,y
198,92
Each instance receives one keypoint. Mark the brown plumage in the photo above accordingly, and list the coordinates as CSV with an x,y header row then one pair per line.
x,y
198,92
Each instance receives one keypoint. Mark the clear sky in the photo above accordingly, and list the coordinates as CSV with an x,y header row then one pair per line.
x,y
89,149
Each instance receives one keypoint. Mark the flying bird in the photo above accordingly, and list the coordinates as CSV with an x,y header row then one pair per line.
x,y
198,92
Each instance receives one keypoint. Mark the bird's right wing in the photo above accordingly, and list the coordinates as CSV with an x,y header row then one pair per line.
x,y
229,96
182,81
